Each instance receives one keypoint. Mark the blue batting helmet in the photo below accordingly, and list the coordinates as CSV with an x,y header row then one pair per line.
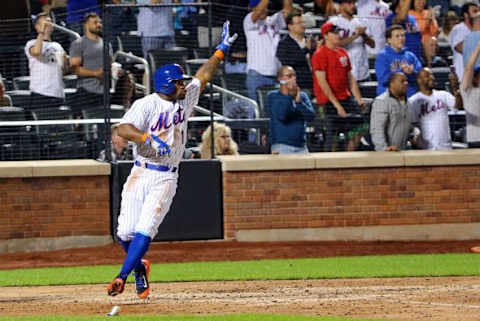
x,y
165,76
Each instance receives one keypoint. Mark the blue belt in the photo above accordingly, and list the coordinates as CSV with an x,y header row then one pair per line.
x,y
160,168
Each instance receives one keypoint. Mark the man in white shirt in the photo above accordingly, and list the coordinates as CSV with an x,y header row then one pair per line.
x,y
263,35
155,24
458,35
354,38
47,61
429,110
471,96
373,13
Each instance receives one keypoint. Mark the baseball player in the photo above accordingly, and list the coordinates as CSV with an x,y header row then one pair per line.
x,y
157,124
430,112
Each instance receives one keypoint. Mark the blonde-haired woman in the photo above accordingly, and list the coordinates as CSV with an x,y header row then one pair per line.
x,y
224,144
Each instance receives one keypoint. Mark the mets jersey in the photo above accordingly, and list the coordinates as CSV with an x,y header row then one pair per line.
x,y
166,119
431,112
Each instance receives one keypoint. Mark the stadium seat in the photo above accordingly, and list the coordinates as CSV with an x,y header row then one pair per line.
x,y
175,55
236,82
17,142
130,43
96,133
20,98
21,83
61,141
70,81
262,93
444,50
441,77
368,89
192,65
201,53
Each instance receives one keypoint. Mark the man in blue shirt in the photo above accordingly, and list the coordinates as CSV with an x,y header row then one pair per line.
x,y
289,109
400,16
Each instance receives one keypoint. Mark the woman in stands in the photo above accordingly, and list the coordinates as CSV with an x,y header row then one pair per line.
x,y
224,144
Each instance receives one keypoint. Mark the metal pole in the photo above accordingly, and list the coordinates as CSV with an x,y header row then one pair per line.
x,y
106,79
210,87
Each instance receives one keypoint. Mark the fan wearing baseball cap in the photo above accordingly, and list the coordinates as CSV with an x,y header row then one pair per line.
x,y
263,35
470,90
354,38
334,85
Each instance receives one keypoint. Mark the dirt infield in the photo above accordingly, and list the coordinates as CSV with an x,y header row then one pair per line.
x,y
394,299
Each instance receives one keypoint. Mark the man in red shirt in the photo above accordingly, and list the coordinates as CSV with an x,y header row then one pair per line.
x,y
334,85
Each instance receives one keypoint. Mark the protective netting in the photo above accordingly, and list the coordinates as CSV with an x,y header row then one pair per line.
x,y
137,43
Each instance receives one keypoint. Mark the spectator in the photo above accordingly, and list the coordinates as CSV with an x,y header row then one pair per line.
x,y
295,50
430,111
390,117
47,61
122,19
458,35
450,20
289,109
76,10
86,60
354,38
472,40
5,99
119,149
471,96
334,84
224,144
125,90
401,17
156,27
396,58
325,8
237,56
373,14
428,26
263,35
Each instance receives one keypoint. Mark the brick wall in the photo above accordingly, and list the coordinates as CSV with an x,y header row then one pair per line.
x,y
46,207
316,198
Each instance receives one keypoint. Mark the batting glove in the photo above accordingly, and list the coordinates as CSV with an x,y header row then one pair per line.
x,y
227,41
156,143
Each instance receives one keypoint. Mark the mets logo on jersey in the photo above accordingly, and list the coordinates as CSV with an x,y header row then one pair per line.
x,y
166,120
427,108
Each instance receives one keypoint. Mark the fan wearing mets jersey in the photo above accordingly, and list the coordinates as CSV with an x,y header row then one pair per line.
x,y
430,111
157,124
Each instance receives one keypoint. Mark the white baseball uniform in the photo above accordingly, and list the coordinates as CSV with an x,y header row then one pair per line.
x,y
148,193
431,112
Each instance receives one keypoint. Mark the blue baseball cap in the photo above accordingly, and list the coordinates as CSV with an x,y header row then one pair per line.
x,y
253,3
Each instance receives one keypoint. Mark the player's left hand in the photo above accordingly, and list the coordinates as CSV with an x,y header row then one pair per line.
x,y
227,41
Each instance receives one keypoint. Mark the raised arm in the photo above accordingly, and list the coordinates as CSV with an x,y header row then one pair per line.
x,y
287,7
258,10
468,71
208,69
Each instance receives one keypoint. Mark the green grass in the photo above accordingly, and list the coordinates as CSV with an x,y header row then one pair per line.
x,y
240,317
294,269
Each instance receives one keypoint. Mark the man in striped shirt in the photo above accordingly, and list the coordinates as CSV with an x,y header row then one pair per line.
x,y
157,124
263,35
